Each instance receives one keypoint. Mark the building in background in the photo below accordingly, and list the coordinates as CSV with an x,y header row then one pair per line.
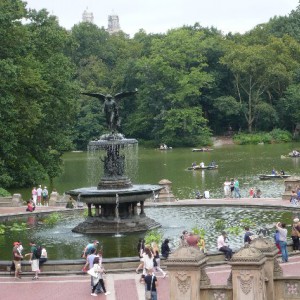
x,y
113,24
87,16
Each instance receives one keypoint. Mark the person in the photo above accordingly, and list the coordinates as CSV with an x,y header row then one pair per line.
x,y
226,188
281,227
274,172
140,247
282,172
251,192
30,206
202,164
194,165
165,249
192,240
231,187
157,267
34,195
237,189
87,250
45,196
98,271
44,256
39,195
212,164
294,198
151,284
276,240
223,246
206,194
248,236
111,109
17,257
34,260
257,194
295,234
198,195
201,244
183,237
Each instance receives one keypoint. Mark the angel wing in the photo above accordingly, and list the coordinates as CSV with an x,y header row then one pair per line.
x,y
125,94
96,95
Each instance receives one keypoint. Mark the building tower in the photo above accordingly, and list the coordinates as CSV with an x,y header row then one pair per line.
x,y
113,24
87,16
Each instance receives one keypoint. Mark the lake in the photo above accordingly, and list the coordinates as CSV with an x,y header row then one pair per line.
x,y
242,162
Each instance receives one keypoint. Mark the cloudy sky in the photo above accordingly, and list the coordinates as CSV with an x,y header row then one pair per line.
x,y
157,16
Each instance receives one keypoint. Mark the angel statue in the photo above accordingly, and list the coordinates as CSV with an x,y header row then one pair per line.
x,y
110,108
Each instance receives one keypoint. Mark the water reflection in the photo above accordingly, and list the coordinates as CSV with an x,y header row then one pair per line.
x,y
62,243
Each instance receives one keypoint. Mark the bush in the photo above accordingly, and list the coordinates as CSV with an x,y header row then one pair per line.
x,y
275,136
153,236
4,193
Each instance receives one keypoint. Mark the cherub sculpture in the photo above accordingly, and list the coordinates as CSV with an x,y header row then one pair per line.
x,y
111,108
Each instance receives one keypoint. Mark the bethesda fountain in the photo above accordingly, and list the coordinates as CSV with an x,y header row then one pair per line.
x,y
119,204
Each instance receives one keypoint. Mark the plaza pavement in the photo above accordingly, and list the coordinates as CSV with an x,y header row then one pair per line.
x,y
124,286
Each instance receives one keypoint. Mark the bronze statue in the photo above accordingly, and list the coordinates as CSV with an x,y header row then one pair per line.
x,y
110,108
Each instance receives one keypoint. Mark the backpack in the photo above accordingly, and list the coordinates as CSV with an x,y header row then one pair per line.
x,y
38,252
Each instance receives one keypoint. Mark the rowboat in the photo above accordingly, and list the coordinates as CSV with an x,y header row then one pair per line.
x,y
203,168
270,177
202,150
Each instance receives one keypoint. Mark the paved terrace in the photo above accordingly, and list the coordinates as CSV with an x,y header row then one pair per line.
x,y
124,286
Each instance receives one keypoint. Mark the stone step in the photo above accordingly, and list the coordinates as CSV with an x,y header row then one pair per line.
x,y
5,204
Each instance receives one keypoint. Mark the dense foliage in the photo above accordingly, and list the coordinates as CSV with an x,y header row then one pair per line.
x,y
193,82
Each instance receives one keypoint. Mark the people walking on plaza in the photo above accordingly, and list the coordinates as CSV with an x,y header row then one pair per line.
x,y
237,189
141,247
281,227
295,234
151,285
97,277
226,188
34,260
34,195
44,256
223,246
17,257
165,249
39,195
157,267
45,196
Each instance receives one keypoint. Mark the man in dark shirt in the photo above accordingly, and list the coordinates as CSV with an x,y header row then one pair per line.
x,y
247,236
151,284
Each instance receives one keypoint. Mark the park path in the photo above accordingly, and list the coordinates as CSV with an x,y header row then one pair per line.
x,y
124,286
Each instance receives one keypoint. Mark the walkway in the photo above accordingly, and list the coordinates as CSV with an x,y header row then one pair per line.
x,y
249,202
123,286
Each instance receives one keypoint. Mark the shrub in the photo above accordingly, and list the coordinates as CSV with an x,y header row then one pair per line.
x,y
52,219
4,193
153,236
279,135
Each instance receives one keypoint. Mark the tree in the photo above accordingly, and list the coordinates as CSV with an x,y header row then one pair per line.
x,y
261,72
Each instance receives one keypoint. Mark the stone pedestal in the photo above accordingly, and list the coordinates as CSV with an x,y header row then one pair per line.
x,y
187,274
165,194
17,200
291,183
271,267
248,276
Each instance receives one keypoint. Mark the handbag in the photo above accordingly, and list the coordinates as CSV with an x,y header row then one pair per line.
x,y
92,273
148,293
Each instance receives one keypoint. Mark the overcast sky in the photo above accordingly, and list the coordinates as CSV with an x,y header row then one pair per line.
x,y
157,16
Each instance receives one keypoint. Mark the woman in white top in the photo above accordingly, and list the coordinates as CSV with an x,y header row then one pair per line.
x,y
44,256
227,188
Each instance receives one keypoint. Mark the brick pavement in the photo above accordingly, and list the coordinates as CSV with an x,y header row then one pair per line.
x,y
123,286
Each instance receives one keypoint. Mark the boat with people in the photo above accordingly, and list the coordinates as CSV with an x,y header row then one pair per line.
x,y
293,154
202,149
164,147
204,168
201,166
273,176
